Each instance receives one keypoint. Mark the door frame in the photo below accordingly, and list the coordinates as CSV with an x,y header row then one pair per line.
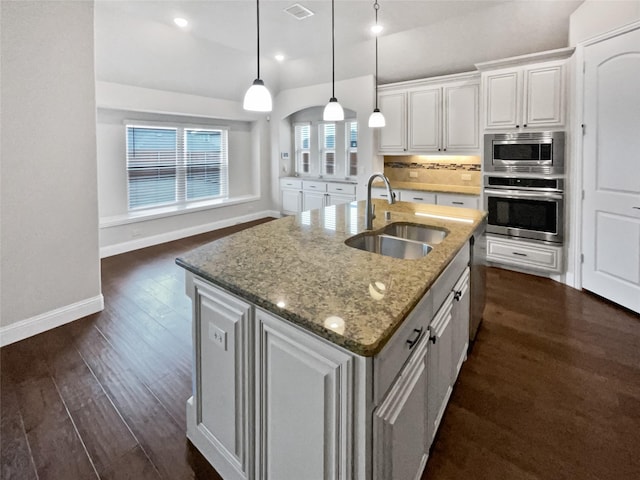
x,y
576,170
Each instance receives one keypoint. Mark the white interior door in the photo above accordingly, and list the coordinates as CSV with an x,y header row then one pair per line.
x,y
611,163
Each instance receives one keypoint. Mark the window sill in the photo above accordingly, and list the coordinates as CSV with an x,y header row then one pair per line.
x,y
162,212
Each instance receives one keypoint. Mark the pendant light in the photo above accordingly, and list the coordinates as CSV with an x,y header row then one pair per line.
x,y
258,98
376,119
333,111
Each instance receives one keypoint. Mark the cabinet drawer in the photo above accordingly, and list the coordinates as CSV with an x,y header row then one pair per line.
x,y
341,188
388,363
290,183
381,193
314,186
452,200
447,280
524,254
417,196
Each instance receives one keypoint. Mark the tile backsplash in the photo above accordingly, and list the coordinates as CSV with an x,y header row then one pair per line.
x,y
457,170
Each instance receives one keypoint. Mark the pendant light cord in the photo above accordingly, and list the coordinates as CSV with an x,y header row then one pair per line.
x,y
258,29
333,52
376,7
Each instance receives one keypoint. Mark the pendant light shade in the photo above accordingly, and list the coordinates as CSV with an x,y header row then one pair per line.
x,y
257,98
333,111
376,119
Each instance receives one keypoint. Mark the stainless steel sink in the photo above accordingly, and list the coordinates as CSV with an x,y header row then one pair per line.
x,y
416,232
389,246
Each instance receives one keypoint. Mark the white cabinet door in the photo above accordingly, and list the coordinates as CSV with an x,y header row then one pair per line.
x,y
393,137
219,419
401,442
453,200
460,314
544,99
440,364
425,112
313,200
461,118
502,99
611,207
335,199
304,408
291,201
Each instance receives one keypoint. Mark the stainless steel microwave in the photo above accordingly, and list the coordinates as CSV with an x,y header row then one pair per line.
x,y
530,152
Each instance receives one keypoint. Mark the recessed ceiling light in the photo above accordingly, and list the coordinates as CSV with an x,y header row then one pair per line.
x,y
279,57
181,22
376,29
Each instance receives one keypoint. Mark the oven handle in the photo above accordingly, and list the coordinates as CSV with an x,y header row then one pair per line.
x,y
524,194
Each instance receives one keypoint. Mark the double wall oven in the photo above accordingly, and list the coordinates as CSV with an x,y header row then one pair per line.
x,y
524,185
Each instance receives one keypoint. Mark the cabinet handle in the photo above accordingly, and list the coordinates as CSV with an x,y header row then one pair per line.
x,y
433,339
636,208
339,189
519,254
525,125
438,149
458,203
413,342
517,126
445,149
457,296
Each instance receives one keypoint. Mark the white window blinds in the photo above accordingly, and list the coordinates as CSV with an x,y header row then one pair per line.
x,y
175,165
328,148
303,150
352,148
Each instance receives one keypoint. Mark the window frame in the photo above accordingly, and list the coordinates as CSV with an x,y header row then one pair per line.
x,y
181,165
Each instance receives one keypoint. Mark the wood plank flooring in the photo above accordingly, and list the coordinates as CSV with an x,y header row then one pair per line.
x,y
551,389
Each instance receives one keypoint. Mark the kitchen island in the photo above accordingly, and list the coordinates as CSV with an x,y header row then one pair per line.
x,y
313,359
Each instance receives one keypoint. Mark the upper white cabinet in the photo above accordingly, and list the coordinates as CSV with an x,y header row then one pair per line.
x,y
430,116
525,92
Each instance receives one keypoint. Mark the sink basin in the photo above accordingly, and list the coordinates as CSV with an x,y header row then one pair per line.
x,y
389,246
419,233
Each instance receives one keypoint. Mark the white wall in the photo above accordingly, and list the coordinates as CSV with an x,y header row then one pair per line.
x,y
595,17
50,262
356,94
249,186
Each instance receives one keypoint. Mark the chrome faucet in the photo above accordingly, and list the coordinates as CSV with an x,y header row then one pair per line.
x,y
370,213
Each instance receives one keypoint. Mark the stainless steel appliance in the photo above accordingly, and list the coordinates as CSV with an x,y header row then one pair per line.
x,y
530,152
525,206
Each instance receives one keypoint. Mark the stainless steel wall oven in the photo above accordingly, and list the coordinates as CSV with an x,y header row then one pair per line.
x,y
525,206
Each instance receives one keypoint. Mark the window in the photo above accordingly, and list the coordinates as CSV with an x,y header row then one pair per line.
x,y
303,143
327,135
175,165
351,130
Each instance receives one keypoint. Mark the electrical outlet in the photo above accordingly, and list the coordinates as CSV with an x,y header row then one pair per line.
x,y
413,174
466,176
218,336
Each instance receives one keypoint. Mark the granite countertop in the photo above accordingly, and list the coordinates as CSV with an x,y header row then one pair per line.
x,y
300,269
432,187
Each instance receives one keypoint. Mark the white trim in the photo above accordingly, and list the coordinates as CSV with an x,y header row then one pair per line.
x,y
558,54
118,248
154,213
456,77
46,321
610,34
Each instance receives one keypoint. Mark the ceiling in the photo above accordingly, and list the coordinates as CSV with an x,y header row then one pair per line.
x,y
232,23
137,42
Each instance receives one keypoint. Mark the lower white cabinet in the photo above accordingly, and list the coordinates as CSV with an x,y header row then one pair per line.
x,y
454,200
524,254
299,195
401,423
313,200
273,401
303,404
220,412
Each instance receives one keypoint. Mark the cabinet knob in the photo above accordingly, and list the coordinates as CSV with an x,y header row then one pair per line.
x,y
418,332
517,126
445,149
525,125
438,149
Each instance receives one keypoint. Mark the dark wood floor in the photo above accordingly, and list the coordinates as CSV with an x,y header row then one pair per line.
x,y
551,389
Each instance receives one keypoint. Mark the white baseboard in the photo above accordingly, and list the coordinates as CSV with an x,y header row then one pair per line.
x,y
46,321
118,248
